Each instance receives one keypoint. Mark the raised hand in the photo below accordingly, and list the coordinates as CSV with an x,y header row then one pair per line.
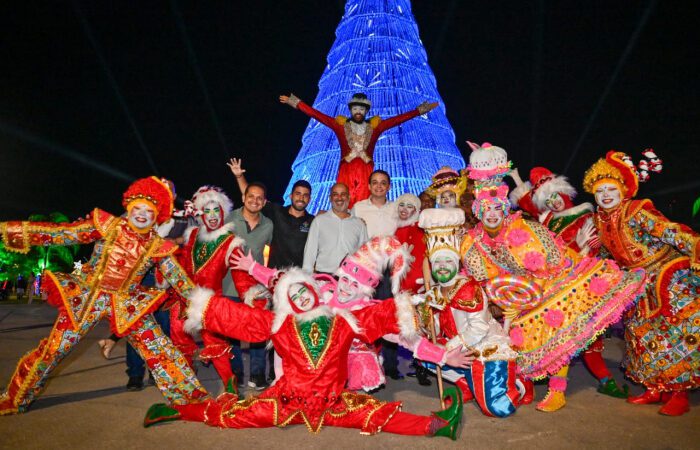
x,y
235,166
587,236
427,107
284,99
459,357
241,261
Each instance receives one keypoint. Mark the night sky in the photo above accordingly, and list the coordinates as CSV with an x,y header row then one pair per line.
x,y
111,83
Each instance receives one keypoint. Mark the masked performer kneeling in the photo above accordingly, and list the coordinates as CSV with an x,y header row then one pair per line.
x,y
313,342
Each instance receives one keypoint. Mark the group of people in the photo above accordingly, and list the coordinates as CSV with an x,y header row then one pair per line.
x,y
487,298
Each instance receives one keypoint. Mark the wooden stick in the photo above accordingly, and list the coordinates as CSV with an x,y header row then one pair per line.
x,y
438,369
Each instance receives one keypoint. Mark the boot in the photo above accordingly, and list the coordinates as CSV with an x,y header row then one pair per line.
x,y
463,386
611,388
648,397
677,405
555,398
452,415
160,412
422,376
232,385
529,396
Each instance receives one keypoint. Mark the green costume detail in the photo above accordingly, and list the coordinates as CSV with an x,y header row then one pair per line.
x,y
314,335
160,412
203,251
452,414
612,389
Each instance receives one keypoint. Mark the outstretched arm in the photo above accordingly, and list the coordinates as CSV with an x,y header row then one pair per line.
x,y
296,103
680,236
20,236
238,172
391,122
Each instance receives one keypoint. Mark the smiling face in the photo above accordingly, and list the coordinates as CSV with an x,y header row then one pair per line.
x,y
141,216
607,195
340,198
447,199
302,297
444,267
300,198
555,203
348,289
254,199
493,216
405,210
379,185
358,113
212,216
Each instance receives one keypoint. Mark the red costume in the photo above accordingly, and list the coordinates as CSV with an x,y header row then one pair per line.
x,y
414,237
313,345
356,150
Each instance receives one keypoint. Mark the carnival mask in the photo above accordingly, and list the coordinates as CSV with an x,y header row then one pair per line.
x,y
141,216
405,210
348,289
447,199
212,216
302,297
358,113
607,195
555,203
444,267
493,216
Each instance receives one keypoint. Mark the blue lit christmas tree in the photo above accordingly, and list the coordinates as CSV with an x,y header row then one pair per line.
x,y
378,51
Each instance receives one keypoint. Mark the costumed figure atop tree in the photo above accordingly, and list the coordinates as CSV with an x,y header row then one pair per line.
x,y
357,137
107,287
662,330
555,302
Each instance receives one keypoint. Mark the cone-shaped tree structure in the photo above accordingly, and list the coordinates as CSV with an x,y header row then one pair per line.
x,y
378,51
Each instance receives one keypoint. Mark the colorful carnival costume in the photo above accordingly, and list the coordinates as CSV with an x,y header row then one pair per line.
x,y
465,321
357,139
410,234
313,342
663,328
452,189
205,257
555,302
548,197
107,287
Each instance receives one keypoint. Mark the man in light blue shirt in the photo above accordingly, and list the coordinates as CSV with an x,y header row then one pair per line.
x,y
333,235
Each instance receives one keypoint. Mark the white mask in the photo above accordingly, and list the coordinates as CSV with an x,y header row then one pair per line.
x,y
141,216
212,216
493,216
607,195
348,289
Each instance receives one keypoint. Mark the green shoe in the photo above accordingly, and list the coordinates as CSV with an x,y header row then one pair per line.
x,y
232,385
452,414
610,388
160,412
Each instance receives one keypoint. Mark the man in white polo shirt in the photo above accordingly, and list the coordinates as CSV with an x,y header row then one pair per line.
x,y
333,235
377,211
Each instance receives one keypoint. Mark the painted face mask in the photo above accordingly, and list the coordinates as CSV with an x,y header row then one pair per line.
x,y
555,203
348,289
212,216
607,195
493,216
444,267
141,216
447,199
358,113
302,297
406,210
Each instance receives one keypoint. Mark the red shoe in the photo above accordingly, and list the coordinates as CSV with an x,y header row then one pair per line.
x,y
463,386
648,397
529,396
677,405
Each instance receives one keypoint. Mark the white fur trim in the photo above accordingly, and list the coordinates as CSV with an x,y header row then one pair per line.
x,y
206,194
398,276
281,306
165,228
406,318
349,318
576,210
408,222
188,232
519,192
204,235
256,292
198,301
321,311
558,184
237,242
441,217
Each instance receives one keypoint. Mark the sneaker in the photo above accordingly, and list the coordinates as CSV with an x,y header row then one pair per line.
x,y
257,382
134,384
394,374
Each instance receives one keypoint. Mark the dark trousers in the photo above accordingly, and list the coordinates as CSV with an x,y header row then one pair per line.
x,y
389,349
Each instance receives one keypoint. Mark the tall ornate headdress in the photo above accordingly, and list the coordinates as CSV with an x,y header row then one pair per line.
x,y
619,167
443,229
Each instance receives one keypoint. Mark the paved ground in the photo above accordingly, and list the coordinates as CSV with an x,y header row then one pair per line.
x,y
85,405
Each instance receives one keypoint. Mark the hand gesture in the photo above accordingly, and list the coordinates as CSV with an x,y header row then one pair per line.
x,y
284,99
587,235
427,107
515,175
240,261
460,357
235,166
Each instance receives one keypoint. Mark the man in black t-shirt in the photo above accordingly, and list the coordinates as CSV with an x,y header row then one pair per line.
x,y
291,223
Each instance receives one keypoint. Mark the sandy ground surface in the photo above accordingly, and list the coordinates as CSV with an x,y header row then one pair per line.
x,y
85,405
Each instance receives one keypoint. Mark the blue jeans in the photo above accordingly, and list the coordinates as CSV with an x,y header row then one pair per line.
x,y
257,356
135,365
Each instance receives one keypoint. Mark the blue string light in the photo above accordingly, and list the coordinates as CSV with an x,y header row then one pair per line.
x,y
378,51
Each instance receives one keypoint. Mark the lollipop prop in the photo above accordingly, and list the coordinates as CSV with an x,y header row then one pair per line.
x,y
513,294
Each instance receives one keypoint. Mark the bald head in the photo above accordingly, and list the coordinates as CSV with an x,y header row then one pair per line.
x,y
340,198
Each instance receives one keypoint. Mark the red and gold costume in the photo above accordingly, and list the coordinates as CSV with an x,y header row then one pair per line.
x,y
108,286
663,328
356,150
313,346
